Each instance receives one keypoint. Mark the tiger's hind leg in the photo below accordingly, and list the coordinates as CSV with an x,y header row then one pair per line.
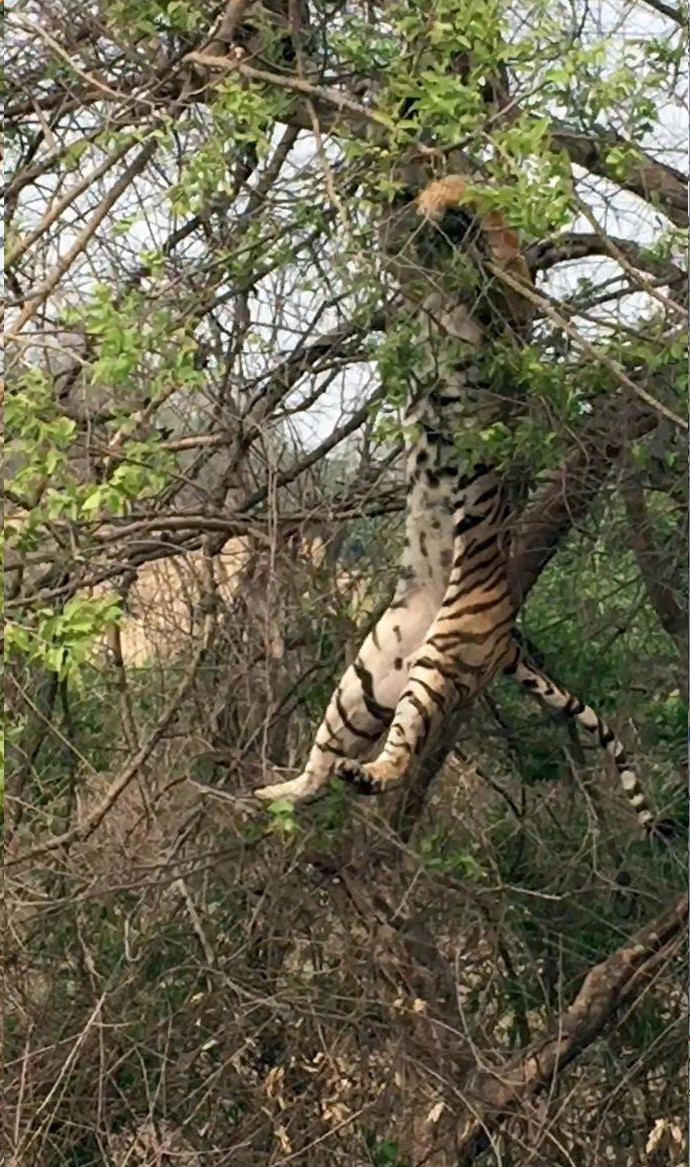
x,y
538,684
363,704
466,644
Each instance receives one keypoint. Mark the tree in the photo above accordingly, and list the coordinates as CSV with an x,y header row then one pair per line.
x,y
206,362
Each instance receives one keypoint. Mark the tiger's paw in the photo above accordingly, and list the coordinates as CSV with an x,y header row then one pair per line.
x,y
372,778
301,789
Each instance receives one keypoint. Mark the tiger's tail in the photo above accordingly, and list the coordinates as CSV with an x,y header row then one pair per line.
x,y
538,684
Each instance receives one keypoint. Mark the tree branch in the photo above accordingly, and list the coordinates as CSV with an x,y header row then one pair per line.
x,y
332,99
653,568
40,295
227,27
594,353
56,209
315,455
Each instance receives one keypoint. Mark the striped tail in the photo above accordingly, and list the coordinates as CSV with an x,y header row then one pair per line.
x,y
539,685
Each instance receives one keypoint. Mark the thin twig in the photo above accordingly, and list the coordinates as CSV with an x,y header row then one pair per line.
x,y
332,97
85,829
593,353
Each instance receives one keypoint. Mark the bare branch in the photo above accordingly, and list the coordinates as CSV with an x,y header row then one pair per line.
x,y
572,245
40,294
227,26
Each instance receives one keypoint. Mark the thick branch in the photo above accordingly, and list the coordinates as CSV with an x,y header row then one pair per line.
x,y
227,26
565,501
674,14
656,572
646,177
581,245
494,1095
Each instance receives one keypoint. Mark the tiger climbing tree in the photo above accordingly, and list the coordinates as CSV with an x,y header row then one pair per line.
x,y
346,360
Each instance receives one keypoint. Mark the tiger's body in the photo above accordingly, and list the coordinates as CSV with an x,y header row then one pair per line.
x,y
449,628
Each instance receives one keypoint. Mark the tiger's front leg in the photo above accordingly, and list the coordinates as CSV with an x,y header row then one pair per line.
x,y
363,704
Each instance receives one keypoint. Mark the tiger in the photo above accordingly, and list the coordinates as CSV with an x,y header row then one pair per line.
x,y
450,627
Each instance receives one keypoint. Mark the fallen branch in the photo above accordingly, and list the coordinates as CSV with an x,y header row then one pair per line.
x,y
495,1095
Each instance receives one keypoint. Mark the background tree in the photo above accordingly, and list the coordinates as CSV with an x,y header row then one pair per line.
x,y
206,365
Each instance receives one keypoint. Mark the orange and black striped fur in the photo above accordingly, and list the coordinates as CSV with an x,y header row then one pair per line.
x,y
449,628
